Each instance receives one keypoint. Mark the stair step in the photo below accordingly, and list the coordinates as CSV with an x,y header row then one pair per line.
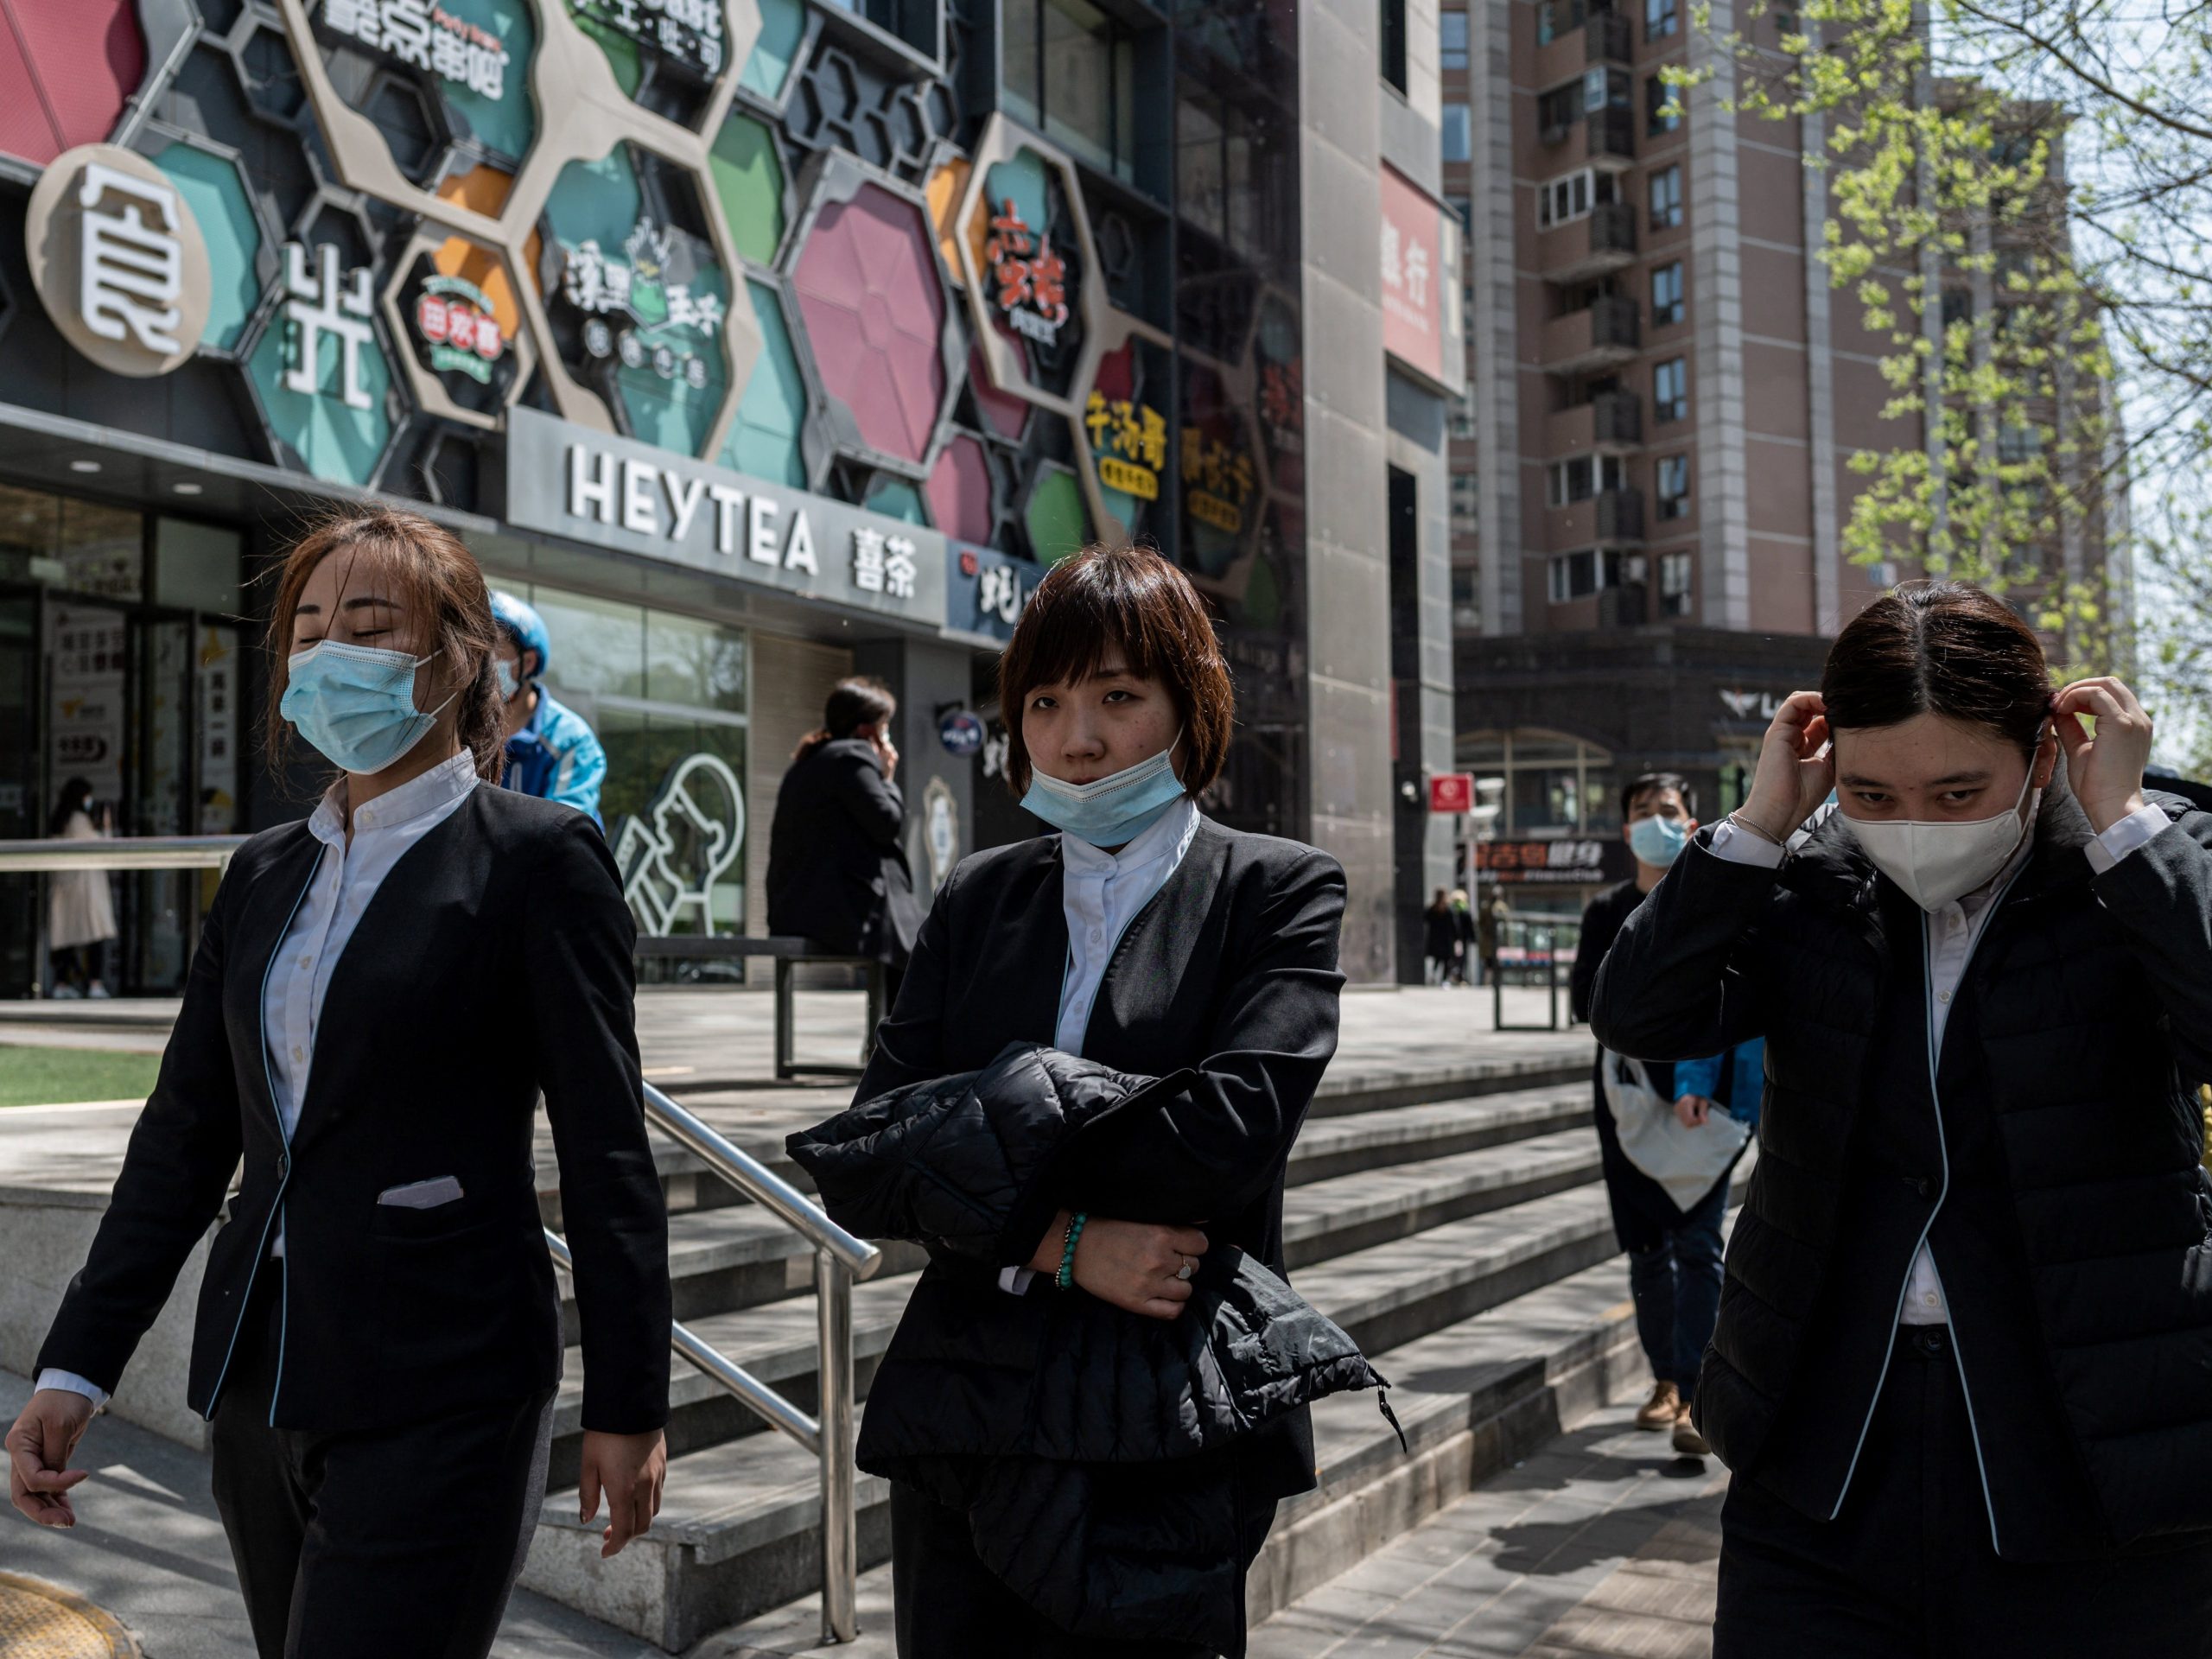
x,y
1399,1135
1370,1212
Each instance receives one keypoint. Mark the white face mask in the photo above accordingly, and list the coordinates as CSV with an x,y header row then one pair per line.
x,y
1937,862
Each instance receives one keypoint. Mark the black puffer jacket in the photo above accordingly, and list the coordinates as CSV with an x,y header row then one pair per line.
x,y
1061,1506
2068,1167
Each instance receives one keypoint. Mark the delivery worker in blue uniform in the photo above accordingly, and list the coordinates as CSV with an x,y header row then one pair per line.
x,y
551,751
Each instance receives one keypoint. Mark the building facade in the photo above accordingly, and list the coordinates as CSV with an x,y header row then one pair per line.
x,y
755,342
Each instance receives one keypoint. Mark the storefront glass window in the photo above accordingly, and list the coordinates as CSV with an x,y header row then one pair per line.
x,y
103,550
1555,784
689,661
1070,72
598,646
196,567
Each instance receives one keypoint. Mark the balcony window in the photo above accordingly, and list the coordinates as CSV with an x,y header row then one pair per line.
x,y
1563,200
1580,477
1666,198
1674,584
1666,294
1467,601
1458,135
1070,72
1662,107
1671,390
1672,474
1578,576
1558,17
1660,19
1466,499
1452,47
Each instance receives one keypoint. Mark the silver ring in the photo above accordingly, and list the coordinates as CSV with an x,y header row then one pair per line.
x,y
1188,1268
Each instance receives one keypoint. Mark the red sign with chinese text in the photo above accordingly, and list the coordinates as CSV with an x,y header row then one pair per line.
x,y
1452,792
1413,276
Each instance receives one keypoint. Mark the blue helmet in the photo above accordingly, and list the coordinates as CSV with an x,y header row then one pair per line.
x,y
524,626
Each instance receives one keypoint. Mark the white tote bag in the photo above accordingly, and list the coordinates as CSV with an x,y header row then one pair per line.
x,y
1686,1162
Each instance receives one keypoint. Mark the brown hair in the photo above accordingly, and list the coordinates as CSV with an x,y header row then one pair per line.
x,y
434,574
1130,597
855,703
1942,648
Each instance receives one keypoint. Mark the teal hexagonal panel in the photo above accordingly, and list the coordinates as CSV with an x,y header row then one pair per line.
x,y
338,443
507,123
896,500
783,30
764,441
213,190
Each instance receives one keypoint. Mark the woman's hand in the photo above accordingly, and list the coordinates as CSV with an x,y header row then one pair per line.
x,y
38,1450
2106,770
1692,1110
1796,769
629,1469
1132,1264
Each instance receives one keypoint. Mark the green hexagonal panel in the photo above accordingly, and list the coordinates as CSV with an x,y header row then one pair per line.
x,y
213,190
508,123
603,203
764,441
895,498
749,183
335,442
783,31
1055,518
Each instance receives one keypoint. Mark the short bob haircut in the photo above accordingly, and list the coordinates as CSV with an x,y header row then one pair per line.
x,y
1126,599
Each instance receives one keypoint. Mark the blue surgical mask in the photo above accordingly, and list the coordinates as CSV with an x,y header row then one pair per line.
x,y
1115,810
356,704
1658,841
508,683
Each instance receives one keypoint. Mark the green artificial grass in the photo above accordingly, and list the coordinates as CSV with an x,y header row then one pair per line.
x,y
47,1076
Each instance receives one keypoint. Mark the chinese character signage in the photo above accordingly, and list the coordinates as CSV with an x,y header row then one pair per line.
x,y
85,716
638,304
1129,442
117,260
620,493
985,590
327,302
1028,281
1533,863
425,34
1413,280
687,33
1218,481
454,323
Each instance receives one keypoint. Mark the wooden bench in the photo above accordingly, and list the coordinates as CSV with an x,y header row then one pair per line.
x,y
789,952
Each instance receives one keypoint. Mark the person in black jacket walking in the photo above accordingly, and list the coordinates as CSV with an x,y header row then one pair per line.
x,y
837,869
1150,938
380,994
1958,1370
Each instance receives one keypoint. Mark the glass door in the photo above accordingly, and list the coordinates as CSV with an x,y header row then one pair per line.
x,y
21,815
160,906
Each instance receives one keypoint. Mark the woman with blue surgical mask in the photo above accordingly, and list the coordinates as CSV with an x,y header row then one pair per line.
x,y
1143,934
1955,1373
381,993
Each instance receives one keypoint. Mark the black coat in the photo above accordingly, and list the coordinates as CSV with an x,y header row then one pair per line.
x,y
836,869
1229,973
2066,1169
970,1166
492,961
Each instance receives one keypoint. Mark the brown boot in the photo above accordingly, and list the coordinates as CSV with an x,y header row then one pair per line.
x,y
1687,1440
1660,1411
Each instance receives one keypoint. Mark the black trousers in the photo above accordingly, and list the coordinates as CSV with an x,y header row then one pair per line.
x,y
947,1605
377,1543
1909,1569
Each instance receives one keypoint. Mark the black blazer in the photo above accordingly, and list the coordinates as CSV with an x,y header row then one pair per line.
x,y
492,961
1231,970
836,870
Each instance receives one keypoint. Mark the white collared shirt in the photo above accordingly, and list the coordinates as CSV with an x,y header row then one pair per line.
x,y
1100,894
329,910
1952,931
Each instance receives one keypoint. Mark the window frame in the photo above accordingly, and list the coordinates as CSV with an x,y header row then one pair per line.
x,y
1446,51
1675,505
1671,176
1465,125
1666,411
1667,315
1658,97
1119,41
1660,19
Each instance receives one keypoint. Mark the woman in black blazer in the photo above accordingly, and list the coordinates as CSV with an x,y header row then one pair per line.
x,y
1149,937
380,995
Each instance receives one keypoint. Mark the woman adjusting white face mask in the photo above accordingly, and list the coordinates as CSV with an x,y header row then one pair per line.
x,y
1936,861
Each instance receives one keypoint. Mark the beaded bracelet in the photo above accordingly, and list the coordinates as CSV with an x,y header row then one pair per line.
x,y
1066,1278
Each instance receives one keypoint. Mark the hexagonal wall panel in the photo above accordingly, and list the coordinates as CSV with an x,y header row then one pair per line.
x,y
746,165
216,189
768,440
341,430
454,306
880,334
66,72
672,57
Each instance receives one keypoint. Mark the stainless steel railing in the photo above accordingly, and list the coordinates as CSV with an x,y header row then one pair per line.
x,y
840,1260
119,853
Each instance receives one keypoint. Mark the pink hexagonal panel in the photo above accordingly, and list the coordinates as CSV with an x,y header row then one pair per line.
x,y
874,314
64,72
960,491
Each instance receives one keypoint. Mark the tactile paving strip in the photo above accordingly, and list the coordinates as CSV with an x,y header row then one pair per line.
x,y
43,1621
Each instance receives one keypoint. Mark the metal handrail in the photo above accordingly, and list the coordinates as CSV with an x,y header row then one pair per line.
x,y
119,853
840,1258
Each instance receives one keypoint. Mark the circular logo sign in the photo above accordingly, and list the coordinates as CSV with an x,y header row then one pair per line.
x,y
117,260
960,732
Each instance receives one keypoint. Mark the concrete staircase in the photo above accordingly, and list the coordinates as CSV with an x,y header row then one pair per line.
x,y
1454,1225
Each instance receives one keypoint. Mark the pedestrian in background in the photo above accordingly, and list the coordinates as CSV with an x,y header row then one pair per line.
x,y
79,905
552,751
379,1339
837,870
1490,930
1957,1376
1462,937
1439,940
1671,1233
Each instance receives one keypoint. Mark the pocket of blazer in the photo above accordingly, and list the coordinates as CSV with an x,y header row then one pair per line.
x,y
421,1195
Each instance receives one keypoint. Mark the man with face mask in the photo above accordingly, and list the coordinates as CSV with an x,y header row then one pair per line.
x,y
552,751
1674,1250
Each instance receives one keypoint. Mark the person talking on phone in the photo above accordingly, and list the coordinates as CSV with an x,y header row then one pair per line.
x,y
1959,1375
380,995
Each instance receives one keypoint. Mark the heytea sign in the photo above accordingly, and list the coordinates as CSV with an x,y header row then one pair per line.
x,y
618,494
